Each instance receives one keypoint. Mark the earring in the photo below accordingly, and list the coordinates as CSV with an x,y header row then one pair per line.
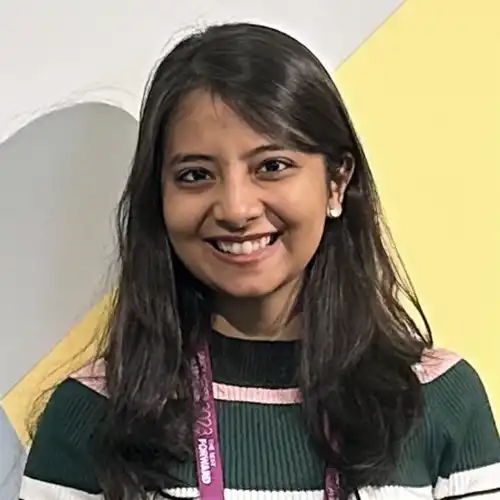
x,y
334,212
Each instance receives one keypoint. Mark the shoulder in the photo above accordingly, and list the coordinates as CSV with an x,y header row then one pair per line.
x,y
76,405
93,376
75,402
60,455
434,363
458,428
450,378
452,387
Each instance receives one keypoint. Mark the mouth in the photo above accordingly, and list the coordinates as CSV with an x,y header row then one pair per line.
x,y
244,246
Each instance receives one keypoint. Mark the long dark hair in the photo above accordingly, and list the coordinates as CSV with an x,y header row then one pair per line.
x,y
355,372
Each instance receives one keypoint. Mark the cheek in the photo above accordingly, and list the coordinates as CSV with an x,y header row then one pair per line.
x,y
304,204
179,219
304,229
304,236
181,211
182,216
186,248
305,218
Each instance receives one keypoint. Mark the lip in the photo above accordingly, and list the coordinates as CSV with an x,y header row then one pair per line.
x,y
245,259
240,238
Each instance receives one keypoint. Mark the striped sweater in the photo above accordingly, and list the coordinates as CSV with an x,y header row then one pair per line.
x,y
453,452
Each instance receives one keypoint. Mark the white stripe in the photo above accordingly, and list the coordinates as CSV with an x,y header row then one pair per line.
x,y
396,493
39,490
32,489
230,494
382,493
469,482
492,495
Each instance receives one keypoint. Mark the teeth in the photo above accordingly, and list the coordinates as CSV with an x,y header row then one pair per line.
x,y
245,247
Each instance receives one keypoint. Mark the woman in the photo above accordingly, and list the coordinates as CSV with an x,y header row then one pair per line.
x,y
254,272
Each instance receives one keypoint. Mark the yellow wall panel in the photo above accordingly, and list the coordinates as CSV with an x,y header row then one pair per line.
x,y
424,92
71,353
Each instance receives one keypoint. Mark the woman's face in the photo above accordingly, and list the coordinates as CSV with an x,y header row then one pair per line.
x,y
244,215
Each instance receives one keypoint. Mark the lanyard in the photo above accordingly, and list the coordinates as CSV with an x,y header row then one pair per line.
x,y
208,458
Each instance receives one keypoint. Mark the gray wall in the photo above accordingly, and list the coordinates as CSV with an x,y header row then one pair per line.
x,y
60,179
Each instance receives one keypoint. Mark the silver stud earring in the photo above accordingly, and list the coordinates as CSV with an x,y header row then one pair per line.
x,y
334,212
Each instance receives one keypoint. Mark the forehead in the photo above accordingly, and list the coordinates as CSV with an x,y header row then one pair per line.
x,y
204,120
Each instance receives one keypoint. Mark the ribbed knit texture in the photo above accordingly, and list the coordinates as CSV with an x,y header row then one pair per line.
x,y
266,451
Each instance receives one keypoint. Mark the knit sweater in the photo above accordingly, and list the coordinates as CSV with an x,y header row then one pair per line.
x,y
453,451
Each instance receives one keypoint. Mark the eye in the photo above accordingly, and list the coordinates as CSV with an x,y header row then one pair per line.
x,y
194,175
274,166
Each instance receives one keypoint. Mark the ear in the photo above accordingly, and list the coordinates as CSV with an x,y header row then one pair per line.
x,y
338,185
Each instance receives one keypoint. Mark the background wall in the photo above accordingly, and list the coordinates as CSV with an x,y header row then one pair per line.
x,y
422,81
60,177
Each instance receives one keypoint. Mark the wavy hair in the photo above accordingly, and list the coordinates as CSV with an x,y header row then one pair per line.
x,y
357,355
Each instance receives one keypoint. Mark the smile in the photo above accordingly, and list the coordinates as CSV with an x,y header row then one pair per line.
x,y
246,248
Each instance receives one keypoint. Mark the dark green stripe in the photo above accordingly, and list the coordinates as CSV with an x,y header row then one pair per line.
x,y
60,451
247,363
460,421
273,453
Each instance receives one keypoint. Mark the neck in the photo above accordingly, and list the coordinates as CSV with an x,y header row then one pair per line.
x,y
258,318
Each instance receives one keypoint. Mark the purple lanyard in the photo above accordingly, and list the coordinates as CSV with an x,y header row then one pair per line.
x,y
208,459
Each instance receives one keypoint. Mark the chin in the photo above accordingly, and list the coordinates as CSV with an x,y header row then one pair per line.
x,y
253,285
244,290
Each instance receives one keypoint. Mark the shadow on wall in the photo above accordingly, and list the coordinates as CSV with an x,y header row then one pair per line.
x,y
60,179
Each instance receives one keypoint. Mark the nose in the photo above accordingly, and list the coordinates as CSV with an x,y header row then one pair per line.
x,y
237,203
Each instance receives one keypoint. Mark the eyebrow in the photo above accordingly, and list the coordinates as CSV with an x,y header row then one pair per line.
x,y
197,157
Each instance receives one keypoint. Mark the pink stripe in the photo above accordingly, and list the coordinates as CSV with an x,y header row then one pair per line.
x,y
93,375
435,363
224,392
